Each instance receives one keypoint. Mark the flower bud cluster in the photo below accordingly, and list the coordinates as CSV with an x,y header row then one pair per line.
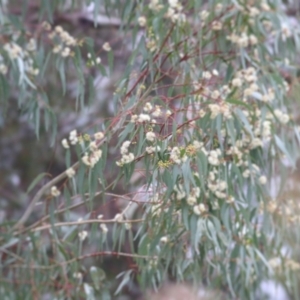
x,y
63,41
127,157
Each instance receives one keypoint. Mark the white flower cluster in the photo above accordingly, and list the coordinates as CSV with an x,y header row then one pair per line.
x,y
148,107
269,96
180,193
151,44
150,136
236,153
221,108
127,157
31,45
255,170
175,12
152,149
66,40
213,157
262,180
92,62
206,75
243,40
192,197
216,25
217,187
70,172
142,21
13,50
99,135
141,118
199,146
106,47
246,75
82,235
157,111
90,159
155,5
104,228
175,155
55,192
199,209
204,15
30,68
73,137
282,117
164,239
119,218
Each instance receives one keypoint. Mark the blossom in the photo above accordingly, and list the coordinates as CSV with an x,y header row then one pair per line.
x,y
65,143
73,137
191,200
82,235
206,75
104,228
213,157
70,172
66,52
164,239
77,275
215,72
99,135
118,218
124,147
54,191
13,50
150,149
106,46
150,136
216,25
199,209
168,113
262,180
143,118
142,21
237,82
148,106
204,14
157,112
282,117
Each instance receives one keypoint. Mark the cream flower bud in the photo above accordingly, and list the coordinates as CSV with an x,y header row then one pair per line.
x,y
70,172
82,235
55,192
104,228
199,209
118,218
99,135
142,21
262,180
164,240
150,136
65,143
106,47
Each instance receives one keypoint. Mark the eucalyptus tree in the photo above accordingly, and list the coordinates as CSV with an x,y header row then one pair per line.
x,y
199,125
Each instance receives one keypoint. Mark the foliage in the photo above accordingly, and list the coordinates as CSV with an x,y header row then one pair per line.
x,y
200,124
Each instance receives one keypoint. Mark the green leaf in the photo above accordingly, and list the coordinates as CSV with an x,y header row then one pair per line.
x,y
36,181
